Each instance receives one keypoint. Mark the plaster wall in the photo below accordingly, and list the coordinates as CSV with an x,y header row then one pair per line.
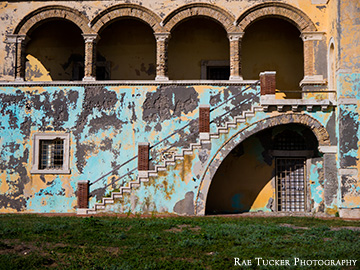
x,y
105,126
347,45
130,48
192,42
53,50
274,44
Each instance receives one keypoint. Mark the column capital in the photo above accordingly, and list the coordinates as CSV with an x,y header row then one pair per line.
x,y
235,36
15,38
162,36
89,38
11,38
312,35
22,38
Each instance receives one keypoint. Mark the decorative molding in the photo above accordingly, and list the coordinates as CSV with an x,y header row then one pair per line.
x,y
271,100
352,172
90,37
162,36
313,80
347,101
313,35
235,36
328,149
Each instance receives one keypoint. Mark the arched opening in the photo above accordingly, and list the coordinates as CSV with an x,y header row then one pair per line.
x,y
331,67
126,51
199,49
266,172
274,44
55,52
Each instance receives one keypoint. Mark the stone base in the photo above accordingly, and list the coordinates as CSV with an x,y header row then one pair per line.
x,y
88,79
312,80
349,213
236,78
81,211
161,78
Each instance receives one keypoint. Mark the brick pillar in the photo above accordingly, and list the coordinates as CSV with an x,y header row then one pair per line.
x,y
204,118
83,194
235,55
90,57
308,58
310,39
143,156
204,123
21,41
268,82
162,40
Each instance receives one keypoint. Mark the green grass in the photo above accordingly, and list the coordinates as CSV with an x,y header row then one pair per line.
x,y
38,242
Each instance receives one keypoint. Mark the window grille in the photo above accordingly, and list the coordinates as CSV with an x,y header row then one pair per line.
x,y
51,154
289,140
290,179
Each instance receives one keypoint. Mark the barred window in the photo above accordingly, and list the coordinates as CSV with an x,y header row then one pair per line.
x,y
51,153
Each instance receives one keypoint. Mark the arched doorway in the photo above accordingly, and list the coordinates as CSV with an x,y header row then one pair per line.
x,y
266,172
199,49
126,51
274,44
55,52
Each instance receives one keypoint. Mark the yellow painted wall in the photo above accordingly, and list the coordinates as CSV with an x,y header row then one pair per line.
x,y
273,45
130,47
243,182
192,41
53,49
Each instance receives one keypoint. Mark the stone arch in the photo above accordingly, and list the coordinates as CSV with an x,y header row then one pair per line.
x,y
200,9
53,12
126,10
275,9
314,125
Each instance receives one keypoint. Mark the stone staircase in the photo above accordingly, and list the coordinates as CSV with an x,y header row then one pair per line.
x,y
143,176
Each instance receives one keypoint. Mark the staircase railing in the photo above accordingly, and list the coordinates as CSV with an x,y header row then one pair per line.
x,y
190,123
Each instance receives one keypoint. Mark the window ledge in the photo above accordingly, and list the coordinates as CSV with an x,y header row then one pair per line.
x,y
37,171
270,100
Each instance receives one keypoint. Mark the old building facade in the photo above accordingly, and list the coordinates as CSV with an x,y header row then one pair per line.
x,y
184,107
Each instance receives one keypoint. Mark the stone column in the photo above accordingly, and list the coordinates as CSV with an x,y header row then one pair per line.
x,y
10,57
21,41
162,40
235,55
90,57
310,76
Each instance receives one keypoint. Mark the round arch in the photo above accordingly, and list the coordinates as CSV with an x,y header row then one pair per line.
x,y
53,12
314,125
275,9
215,13
126,10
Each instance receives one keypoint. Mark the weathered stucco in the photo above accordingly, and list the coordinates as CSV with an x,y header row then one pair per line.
x,y
150,42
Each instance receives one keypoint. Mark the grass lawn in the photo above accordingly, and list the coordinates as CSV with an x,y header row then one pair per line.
x,y
38,242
